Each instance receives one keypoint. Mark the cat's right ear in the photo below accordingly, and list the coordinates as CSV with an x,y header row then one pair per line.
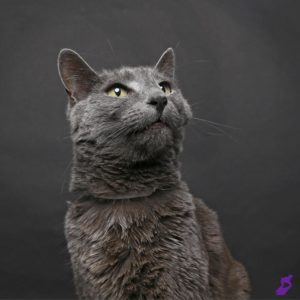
x,y
76,75
166,63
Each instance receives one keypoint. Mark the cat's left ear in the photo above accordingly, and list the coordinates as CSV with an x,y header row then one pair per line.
x,y
166,63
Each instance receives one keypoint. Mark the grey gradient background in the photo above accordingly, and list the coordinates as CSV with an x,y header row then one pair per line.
x,y
238,64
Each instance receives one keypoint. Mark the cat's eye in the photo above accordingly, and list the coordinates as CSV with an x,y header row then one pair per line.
x,y
117,90
166,87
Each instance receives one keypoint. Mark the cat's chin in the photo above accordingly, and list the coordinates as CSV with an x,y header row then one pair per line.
x,y
153,139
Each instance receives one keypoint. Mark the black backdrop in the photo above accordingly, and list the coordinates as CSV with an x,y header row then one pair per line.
x,y
238,64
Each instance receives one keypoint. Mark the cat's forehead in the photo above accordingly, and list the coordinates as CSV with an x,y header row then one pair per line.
x,y
131,76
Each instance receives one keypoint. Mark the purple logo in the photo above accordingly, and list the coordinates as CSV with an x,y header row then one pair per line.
x,y
285,285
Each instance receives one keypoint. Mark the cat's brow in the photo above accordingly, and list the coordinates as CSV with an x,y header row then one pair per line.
x,y
134,85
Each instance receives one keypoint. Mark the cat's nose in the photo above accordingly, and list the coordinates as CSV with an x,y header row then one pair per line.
x,y
159,102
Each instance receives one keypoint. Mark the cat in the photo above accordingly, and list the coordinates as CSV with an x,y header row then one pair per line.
x,y
136,232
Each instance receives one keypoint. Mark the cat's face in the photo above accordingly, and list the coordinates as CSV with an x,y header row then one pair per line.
x,y
136,113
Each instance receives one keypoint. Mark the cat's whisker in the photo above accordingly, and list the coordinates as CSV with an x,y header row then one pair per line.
x,y
205,132
216,123
115,134
224,132
112,50
118,132
218,127
177,45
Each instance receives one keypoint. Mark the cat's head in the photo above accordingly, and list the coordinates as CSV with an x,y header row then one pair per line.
x,y
133,112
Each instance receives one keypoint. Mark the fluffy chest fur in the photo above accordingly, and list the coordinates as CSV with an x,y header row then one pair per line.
x,y
147,248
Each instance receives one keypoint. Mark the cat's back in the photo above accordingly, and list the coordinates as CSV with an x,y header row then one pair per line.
x,y
228,278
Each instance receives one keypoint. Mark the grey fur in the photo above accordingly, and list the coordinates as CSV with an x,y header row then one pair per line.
x,y
137,232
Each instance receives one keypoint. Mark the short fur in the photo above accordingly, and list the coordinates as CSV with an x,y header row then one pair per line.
x,y
137,232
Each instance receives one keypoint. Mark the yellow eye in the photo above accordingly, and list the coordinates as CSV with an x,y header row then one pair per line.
x,y
166,87
118,91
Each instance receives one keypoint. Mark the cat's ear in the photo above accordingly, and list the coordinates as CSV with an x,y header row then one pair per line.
x,y
166,63
76,75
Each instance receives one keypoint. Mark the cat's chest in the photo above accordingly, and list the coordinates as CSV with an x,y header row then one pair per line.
x,y
134,250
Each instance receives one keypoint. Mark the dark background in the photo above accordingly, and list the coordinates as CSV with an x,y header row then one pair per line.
x,y
237,62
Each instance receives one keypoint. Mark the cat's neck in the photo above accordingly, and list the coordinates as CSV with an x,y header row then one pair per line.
x,y
106,176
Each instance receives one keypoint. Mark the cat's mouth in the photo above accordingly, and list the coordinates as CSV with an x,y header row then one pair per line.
x,y
159,124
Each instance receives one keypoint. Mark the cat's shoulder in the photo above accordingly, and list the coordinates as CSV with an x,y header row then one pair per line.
x,y
205,215
209,224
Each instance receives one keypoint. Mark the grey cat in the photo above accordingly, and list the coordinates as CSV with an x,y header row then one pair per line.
x,y
136,232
